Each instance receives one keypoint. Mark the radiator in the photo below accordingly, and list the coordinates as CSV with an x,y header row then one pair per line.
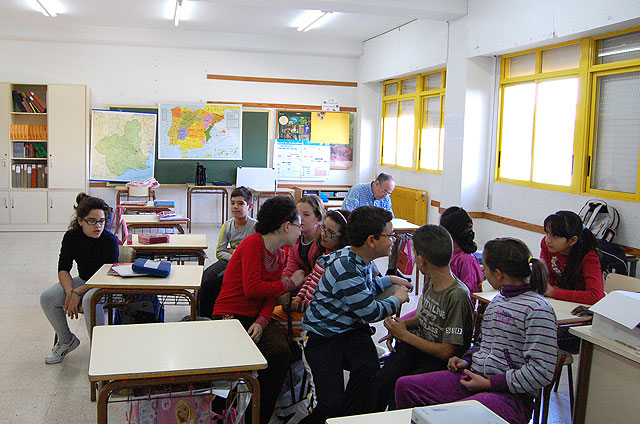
x,y
410,204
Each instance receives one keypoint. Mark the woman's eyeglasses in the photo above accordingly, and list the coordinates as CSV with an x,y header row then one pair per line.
x,y
92,221
327,232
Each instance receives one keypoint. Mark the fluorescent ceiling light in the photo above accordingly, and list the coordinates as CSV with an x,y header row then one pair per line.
x,y
176,14
45,11
314,21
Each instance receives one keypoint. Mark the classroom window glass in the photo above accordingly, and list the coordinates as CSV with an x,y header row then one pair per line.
x,y
617,132
412,132
391,89
521,65
561,58
517,131
618,48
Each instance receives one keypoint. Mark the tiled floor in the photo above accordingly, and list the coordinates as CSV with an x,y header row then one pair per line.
x,y
33,392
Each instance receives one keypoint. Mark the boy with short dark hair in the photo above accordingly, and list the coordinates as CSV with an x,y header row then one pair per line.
x,y
336,322
441,328
233,231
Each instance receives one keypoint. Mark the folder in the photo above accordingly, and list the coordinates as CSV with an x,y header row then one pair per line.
x,y
157,269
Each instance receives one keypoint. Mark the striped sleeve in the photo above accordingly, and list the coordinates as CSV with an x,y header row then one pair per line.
x,y
310,285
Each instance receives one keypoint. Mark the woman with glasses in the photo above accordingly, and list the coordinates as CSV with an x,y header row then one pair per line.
x,y
90,247
333,236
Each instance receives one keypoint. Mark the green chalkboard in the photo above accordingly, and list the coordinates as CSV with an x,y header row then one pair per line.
x,y
255,141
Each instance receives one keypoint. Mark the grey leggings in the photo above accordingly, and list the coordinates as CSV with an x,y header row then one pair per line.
x,y
52,302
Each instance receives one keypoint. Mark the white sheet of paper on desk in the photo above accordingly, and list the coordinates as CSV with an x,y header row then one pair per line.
x,y
454,414
126,271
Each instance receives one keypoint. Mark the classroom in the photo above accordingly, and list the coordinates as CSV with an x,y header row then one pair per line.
x,y
136,57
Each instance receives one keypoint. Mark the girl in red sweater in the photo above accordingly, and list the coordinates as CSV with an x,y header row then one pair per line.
x,y
251,284
568,249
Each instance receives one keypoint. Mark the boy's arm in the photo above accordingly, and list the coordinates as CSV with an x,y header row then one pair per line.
x,y
398,329
223,241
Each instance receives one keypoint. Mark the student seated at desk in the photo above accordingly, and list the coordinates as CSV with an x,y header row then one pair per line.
x,y
336,322
252,283
441,328
333,237
90,247
517,355
232,233
568,249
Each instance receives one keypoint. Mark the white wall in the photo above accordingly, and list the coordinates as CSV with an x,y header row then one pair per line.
x,y
492,27
138,75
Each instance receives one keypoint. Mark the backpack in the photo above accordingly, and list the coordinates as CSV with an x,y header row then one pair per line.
x,y
600,218
201,174
612,258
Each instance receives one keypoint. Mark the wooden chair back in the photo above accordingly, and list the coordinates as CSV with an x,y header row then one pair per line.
x,y
542,400
135,191
621,282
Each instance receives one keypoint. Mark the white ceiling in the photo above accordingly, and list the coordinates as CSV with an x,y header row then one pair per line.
x,y
260,25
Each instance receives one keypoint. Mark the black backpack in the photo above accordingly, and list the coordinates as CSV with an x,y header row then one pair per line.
x,y
201,174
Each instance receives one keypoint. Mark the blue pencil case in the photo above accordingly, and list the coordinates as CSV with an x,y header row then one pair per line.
x,y
164,203
155,268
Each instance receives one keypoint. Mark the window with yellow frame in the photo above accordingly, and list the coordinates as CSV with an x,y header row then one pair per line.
x,y
569,116
412,122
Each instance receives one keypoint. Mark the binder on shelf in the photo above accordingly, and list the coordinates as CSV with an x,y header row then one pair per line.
x,y
17,101
34,176
37,102
18,150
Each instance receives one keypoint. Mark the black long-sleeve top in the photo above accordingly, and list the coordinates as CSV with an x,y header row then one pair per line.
x,y
88,252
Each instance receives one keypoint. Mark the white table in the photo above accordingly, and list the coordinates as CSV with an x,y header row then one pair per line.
x,y
608,380
173,353
151,222
403,416
179,244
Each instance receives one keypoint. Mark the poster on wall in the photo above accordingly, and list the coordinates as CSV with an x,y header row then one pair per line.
x,y
301,160
321,127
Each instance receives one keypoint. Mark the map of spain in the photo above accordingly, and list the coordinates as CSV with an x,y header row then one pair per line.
x,y
122,145
208,131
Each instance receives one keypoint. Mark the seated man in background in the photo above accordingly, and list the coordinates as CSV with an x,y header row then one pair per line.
x,y
375,193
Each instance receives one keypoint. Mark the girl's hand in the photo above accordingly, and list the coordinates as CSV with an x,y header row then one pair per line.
x,y
255,332
475,382
550,291
389,339
298,278
456,364
295,303
400,282
73,305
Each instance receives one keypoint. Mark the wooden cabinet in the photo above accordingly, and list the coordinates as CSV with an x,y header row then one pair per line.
x,y
43,154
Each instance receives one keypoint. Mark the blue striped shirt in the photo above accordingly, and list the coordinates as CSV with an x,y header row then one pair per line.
x,y
345,298
362,195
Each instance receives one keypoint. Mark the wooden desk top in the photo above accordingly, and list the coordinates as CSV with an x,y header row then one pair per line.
x,y
208,186
589,335
403,416
403,226
150,219
186,277
176,241
170,349
561,308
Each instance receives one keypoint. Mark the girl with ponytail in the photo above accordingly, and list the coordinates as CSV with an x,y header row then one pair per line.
x,y
568,249
517,354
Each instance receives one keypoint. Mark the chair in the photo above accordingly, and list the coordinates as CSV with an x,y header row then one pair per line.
x,y
136,191
621,282
542,400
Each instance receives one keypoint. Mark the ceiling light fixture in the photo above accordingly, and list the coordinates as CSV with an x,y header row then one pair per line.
x,y
314,22
45,11
176,14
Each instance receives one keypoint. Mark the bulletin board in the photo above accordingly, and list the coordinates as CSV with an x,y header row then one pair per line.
x,y
304,136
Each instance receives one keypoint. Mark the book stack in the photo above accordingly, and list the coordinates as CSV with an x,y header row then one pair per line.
x,y
29,150
28,132
29,102
170,216
153,238
28,175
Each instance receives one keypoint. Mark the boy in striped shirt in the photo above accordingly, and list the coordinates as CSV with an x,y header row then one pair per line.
x,y
336,323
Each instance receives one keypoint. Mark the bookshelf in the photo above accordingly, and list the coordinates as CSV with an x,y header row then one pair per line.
x,y
43,133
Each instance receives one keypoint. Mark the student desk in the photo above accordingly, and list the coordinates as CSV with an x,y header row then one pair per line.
x,y
560,307
173,353
608,376
179,245
209,189
152,222
148,208
403,416
180,281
